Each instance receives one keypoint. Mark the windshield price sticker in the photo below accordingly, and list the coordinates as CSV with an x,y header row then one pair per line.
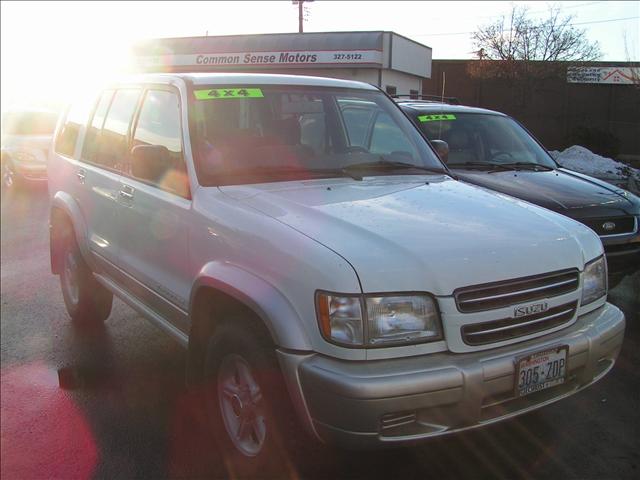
x,y
438,117
222,93
541,370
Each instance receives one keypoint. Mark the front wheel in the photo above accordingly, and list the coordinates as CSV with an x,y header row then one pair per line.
x,y
87,301
248,405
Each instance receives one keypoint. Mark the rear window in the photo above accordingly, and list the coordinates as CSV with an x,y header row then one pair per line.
x,y
106,143
29,123
75,119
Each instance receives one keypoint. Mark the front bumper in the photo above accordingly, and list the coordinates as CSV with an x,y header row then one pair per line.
x,y
382,402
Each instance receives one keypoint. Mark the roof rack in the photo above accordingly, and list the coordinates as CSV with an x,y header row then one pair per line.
x,y
430,98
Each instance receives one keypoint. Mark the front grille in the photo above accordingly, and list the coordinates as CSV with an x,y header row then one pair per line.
x,y
489,296
621,225
508,328
622,249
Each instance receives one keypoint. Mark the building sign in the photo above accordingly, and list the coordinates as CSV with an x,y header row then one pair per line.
x,y
262,59
616,75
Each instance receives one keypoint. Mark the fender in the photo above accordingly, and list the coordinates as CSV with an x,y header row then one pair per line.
x,y
266,301
69,206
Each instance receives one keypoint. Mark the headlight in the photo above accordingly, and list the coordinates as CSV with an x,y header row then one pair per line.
x,y
340,318
390,320
594,280
402,319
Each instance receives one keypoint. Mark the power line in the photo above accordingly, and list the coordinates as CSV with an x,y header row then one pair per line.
x,y
561,8
605,21
571,24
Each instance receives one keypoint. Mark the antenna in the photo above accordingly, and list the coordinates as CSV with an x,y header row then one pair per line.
x,y
444,82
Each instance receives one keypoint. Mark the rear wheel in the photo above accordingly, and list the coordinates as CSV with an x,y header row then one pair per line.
x,y
87,301
248,405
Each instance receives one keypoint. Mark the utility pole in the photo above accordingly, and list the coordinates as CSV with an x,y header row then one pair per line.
x,y
300,16
300,4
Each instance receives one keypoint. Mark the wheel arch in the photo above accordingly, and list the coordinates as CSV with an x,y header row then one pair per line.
x,y
65,210
221,289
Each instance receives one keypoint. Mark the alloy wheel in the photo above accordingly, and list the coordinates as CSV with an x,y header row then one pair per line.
x,y
71,278
241,405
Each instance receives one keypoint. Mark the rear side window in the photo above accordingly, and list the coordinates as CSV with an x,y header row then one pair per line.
x,y
90,144
107,139
159,124
67,137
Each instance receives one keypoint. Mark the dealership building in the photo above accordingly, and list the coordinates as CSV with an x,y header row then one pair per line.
x,y
394,63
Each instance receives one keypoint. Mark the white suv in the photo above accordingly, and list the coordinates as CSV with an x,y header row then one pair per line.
x,y
319,263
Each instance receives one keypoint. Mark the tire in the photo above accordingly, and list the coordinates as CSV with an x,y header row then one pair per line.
x,y
87,301
249,409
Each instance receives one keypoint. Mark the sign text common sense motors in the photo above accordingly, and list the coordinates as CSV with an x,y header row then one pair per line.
x,y
311,57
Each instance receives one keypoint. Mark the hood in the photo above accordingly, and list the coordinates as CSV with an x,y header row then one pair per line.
x,y
39,142
577,196
36,145
428,233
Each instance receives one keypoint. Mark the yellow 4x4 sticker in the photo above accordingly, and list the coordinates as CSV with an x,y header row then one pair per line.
x,y
437,117
220,93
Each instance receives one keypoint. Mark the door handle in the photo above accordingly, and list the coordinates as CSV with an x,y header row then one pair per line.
x,y
81,174
127,192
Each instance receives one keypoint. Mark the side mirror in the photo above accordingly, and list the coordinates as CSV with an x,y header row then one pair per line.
x,y
150,162
442,149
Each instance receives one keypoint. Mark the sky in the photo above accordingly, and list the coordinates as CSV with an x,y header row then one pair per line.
x,y
52,50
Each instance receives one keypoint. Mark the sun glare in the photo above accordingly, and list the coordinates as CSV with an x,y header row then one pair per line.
x,y
47,66
54,51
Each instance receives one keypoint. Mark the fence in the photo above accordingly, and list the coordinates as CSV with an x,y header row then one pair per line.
x,y
602,117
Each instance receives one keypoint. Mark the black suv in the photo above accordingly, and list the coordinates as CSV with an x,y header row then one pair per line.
x,y
494,151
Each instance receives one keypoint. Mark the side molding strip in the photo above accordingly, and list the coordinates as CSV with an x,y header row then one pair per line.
x,y
145,311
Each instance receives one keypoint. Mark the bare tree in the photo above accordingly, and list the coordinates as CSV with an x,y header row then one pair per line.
x,y
516,45
634,66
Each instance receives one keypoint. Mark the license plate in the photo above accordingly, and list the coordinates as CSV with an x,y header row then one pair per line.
x,y
541,370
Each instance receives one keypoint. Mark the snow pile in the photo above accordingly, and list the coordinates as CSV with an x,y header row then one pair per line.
x,y
582,160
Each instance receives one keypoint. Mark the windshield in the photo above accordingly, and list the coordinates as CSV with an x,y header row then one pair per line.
x,y
483,139
253,134
29,123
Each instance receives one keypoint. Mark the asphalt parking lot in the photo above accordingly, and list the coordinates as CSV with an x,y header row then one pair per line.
x,y
111,403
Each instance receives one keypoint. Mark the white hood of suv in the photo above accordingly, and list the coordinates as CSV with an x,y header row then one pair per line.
x,y
404,234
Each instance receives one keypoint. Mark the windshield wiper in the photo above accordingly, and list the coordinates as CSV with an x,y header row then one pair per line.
x,y
265,170
391,165
527,166
491,167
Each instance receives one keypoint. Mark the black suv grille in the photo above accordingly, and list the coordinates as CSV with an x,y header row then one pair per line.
x,y
508,328
489,296
617,225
